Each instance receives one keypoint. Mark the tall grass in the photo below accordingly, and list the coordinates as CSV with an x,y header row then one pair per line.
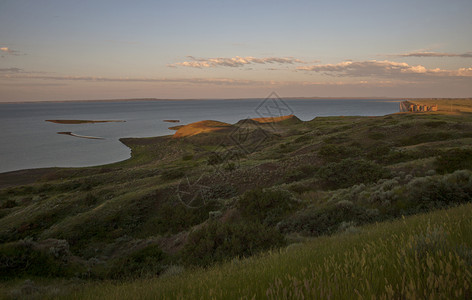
x,y
420,257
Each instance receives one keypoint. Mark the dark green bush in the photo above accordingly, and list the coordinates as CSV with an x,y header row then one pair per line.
x,y
456,159
173,216
428,193
90,199
148,261
8,204
214,159
332,152
217,242
187,157
320,221
349,172
303,138
18,259
425,138
172,174
267,206
300,173
376,135
435,124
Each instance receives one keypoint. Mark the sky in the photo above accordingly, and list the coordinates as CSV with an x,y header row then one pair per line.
x,y
87,50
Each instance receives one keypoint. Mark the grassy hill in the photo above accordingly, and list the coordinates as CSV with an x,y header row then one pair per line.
x,y
183,204
422,257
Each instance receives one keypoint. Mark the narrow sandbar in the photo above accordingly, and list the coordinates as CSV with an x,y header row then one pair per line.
x,y
81,136
82,121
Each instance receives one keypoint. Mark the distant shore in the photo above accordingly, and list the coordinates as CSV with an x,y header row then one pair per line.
x,y
242,99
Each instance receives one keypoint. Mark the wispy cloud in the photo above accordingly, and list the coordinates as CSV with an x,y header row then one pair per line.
x,y
196,81
236,61
432,54
215,81
10,70
6,50
383,68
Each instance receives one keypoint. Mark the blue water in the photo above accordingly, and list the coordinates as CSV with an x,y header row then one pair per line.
x,y
27,141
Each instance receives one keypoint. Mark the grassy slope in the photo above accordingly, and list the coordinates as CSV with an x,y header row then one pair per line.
x,y
417,257
106,212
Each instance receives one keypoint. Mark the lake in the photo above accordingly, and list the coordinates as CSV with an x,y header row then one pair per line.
x,y
30,142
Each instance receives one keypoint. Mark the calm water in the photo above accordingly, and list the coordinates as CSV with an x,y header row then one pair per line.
x,y
27,141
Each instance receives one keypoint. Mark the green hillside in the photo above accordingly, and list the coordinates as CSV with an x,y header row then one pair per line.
x,y
321,189
422,257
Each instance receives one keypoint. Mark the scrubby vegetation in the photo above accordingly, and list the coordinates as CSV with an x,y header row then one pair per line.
x,y
210,201
421,257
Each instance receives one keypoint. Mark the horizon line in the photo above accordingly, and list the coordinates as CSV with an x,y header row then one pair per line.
x,y
245,98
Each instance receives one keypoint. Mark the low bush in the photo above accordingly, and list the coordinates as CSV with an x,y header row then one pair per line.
x,y
455,159
174,216
172,174
267,206
9,203
435,124
327,220
300,173
425,138
216,242
147,261
376,135
349,172
187,157
22,258
333,152
405,196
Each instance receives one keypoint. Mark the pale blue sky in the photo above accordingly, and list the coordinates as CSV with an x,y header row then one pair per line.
x,y
65,50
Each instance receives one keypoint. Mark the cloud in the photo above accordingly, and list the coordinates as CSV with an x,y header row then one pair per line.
x,y
192,81
236,61
383,68
10,70
215,81
9,51
433,54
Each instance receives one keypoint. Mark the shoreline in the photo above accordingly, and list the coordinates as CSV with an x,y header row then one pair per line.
x,y
180,126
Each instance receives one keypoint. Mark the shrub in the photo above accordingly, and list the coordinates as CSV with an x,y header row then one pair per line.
x,y
456,159
427,193
300,173
435,124
23,258
172,174
319,221
173,217
266,205
349,172
425,138
187,157
376,135
404,196
147,261
9,204
332,152
217,242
